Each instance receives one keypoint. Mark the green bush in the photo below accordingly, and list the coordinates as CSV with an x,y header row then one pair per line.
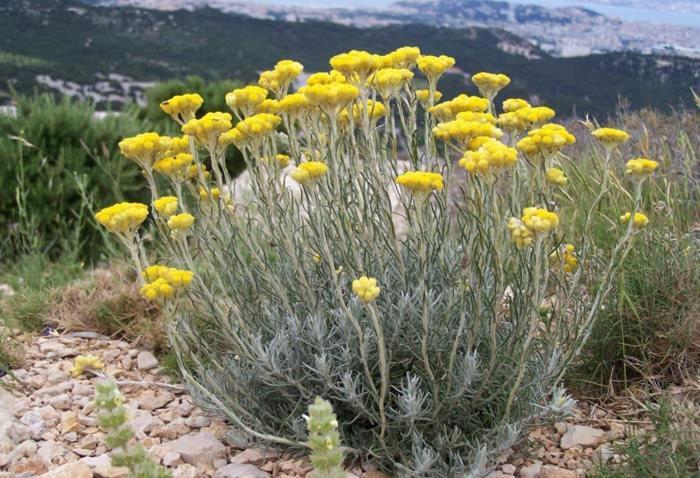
x,y
50,150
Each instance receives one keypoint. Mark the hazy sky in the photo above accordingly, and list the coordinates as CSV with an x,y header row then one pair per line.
x,y
626,13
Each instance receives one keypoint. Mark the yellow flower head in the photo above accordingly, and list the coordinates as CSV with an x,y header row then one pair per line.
x,y
356,66
565,257
374,109
539,221
610,137
246,99
420,183
145,148
514,104
449,110
331,98
366,288
163,281
556,177
519,234
423,97
463,132
640,220
182,107
180,222
175,167
268,106
123,217
490,84
492,156
546,141
195,170
207,129
525,117
281,76
323,78
251,130
308,172
404,57
214,194
389,81
295,105
83,362
641,168
282,160
433,67
166,206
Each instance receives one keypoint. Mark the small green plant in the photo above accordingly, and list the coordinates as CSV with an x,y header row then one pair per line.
x,y
324,441
113,418
670,449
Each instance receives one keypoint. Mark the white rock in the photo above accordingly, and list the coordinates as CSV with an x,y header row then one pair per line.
x,y
581,435
201,448
18,432
145,360
235,470
171,459
508,468
551,471
185,471
255,456
150,400
531,471
603,454
6,290
142,422
102,467
69,470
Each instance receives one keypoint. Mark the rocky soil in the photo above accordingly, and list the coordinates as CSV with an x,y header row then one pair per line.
x,y
49,429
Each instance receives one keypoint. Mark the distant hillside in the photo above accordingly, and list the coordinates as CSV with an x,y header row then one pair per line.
x,y
74,42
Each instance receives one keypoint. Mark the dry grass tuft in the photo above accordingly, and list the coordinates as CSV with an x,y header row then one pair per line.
x,y
107,301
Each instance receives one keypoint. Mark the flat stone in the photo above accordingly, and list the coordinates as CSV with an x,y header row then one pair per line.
x,y
551,471
186,471
531,471
171,459
18,432
145,360
255,456
197,449
603,454
508,469
69,470
142,422
150,400
581,435
236,470
33,466
101,467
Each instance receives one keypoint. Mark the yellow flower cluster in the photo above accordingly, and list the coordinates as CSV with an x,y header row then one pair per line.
x,y
514,104
163,282
524,117
356,66
375,110
389,81
556,177
84,362
182,107
207,129
175,145
145,148
539,221
610,137
251,130
323,78
490,84
175,167
640,220
565,258
366,289
214,194
641,168
449,110
492,156
404,57
421,182
123,217
166,206
309,171
332,97
434,66
519,234
294,105
423,97
464,132
180,222
546,141
281,76
245,100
